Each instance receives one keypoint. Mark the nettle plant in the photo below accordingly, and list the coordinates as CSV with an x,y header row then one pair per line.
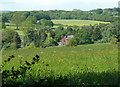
x,y
14,74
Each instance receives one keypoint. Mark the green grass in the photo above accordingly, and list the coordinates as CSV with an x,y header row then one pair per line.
x,y
10,26
13,27
93,64
77,22
67,59
85,65
21,33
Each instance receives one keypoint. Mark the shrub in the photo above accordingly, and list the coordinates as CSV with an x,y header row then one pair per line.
x,y
9,46
113,41
72,42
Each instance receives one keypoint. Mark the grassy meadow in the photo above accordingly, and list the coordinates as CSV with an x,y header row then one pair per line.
x,y
64,59
97,58
95,54
71,22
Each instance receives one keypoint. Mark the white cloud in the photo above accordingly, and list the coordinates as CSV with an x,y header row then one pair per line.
x,y
61,2
56,4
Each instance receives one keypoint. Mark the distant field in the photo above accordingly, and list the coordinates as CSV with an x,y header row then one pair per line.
x,y
63,22
77,22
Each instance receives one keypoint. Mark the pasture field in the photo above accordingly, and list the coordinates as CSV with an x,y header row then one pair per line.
x,y
95,64
10,26
68,59
71,22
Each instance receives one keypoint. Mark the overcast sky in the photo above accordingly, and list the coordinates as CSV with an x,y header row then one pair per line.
x,y
56,4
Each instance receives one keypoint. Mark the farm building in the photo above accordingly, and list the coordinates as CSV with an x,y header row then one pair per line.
x,y
65,40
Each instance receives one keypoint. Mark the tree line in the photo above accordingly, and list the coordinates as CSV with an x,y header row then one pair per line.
x,y
47,36
108,15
